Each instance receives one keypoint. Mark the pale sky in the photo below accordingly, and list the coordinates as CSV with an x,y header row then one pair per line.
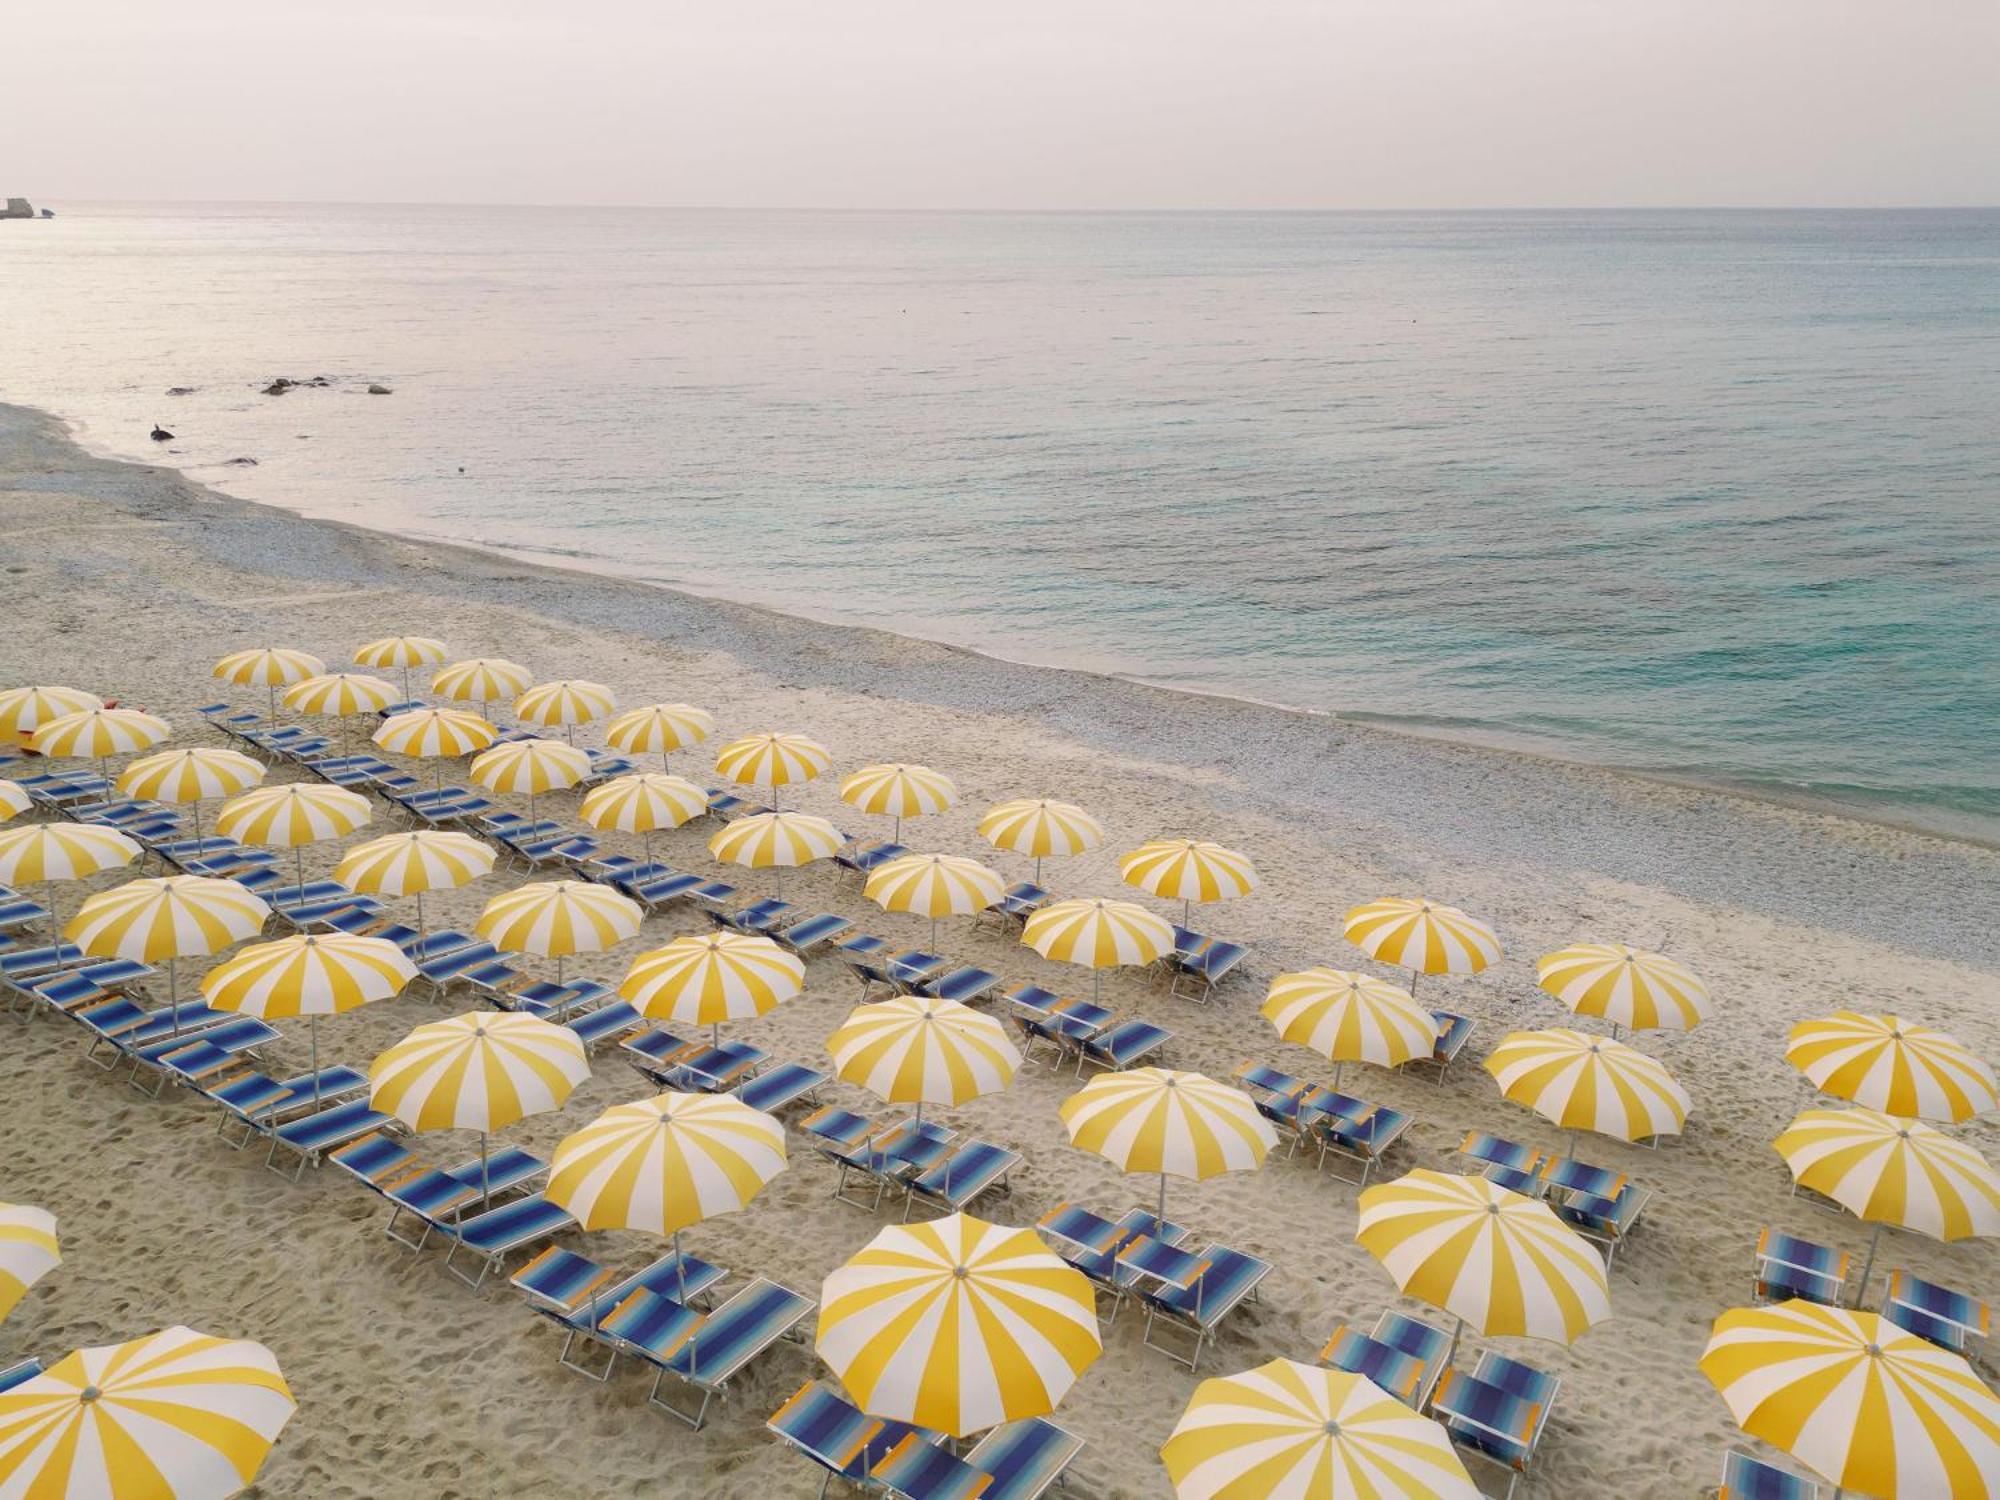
x,y
1011,104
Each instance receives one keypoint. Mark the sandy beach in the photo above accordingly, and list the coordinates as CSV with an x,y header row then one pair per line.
x,y
130,581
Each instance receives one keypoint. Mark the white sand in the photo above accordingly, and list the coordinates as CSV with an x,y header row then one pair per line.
x,y
130,582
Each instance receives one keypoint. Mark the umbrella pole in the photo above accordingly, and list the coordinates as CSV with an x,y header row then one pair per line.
x,y
664,765
1338,1065
1457,1329
1572,1144
1038,869
1413,984
485,1182
313,1023
680,1270
1160,1218
899,828
1096,986
197,822
934,921
173,992
420,915
649,846
271,689
299,864
1867,1266
1187,914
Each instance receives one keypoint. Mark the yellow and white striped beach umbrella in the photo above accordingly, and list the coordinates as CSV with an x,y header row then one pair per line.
x,y
1040,828
312,976
1898,1067
37,852
644,804
1348,1017
13,800
1584,1082
340,695
99,733
409,864
480,1071
772,760
564,703
1887,1171
1624,985
1187,871
659,728
1873,1408
28,1251
557,918
1421,936
23,710
716,977
917,1049
957,1325
482,679
1501,1263
1176,1124
190,775
777,841
1291,1429
404,651
435,733
898,791
292,815
934,886
175,916
661,1164
269,667
176,1415
1096,934
531,767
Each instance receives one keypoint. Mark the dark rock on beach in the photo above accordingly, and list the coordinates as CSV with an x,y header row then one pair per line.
x,y
380,390
180,390
239,463
285,383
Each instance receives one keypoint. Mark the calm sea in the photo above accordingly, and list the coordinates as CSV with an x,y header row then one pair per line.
x,y
1714,494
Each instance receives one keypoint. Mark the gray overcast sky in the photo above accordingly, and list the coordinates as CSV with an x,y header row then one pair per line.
x,y
1022,104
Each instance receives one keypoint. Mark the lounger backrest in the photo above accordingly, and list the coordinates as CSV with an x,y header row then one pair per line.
x,y
737,1330
1426,1341
1517,1379
1496,1422
1024,1457
1748,1478
824,1425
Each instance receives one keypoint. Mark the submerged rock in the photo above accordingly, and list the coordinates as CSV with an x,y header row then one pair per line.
x,y
180,390
241,463
380,390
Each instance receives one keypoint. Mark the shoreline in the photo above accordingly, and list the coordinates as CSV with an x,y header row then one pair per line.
x,y
573,561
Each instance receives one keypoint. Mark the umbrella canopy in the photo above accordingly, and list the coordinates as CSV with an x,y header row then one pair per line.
x,y
13,800
1098,935
1626,986
1875,1409
557,918
916,1049
190,775
483,679
99,733
23,710
772,760
480,1071
1584,1082
337,695
664,1163
957,1325
1039,828
1895,1066
294,815
643,804
1187,871
934,886
27,1251
1347,1017
61,851
660,728
1308,1434
268,666
564,703
531,767
1421,936
176,1415
400,651
178,916
704,981
775,841
1176,1124
408,864
898,791
435,733
1501,1262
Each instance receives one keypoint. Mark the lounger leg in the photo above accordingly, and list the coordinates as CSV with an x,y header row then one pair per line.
x,y
600,1376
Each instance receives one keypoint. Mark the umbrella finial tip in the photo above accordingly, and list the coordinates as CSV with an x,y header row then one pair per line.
x,y
89,1393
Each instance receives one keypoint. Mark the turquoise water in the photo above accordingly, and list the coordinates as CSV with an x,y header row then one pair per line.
x,y
1711,494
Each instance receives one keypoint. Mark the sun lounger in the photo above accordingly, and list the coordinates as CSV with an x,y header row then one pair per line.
x,y
256,1101
1227,1279
975,1169
759,917
1607,1220
1454,1031
122,1025
20,961
310,1137
356,922
578,1295
1785,1267
784,1085
206,1055
838,1436
892,1156
489,1238
376,1159
1122,1046
1022,1458
438,1199
1017,903
442,969
967,985
707,1355
605,1024
862,856
706,1068
605,764
68,991
663,891
726,804
17,1373
1400,1374
1200,963
1365,1140
1951,1320
1499,1411
459,808
1745,1477
17,914
809,934
1428,1344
